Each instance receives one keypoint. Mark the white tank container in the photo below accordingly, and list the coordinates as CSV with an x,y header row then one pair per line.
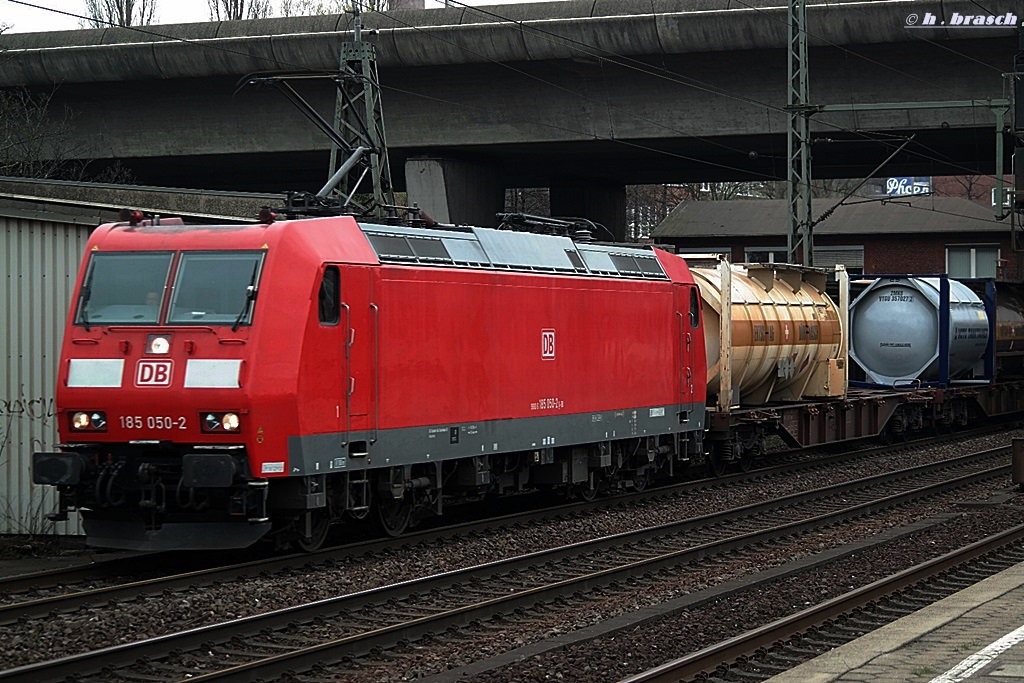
x,y
894,330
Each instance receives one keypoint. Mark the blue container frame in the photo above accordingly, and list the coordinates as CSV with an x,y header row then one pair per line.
x,y
944,381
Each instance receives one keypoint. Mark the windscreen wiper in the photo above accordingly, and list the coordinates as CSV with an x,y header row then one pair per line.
x,y
83,304
250,296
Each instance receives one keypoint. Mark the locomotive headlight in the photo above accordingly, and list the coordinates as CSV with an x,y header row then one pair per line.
x,y
92,421
220,422
158,343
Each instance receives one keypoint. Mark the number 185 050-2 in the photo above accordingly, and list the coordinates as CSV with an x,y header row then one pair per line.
x,y
153,422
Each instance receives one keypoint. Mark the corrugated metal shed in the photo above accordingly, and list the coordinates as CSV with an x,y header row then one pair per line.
x,y
753,217
39,260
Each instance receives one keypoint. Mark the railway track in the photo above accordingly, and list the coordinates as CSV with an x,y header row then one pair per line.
x,y
37,594
776,647
270,644
121,577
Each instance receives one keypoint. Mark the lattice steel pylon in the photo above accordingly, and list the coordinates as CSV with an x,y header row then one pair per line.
x,y
359,118
798,188
358,142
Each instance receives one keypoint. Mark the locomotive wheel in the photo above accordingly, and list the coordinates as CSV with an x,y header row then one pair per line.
x,y
320,528
589,489
393,516
640,481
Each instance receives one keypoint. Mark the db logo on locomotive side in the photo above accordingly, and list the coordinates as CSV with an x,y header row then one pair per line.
x,y
153,373
547,344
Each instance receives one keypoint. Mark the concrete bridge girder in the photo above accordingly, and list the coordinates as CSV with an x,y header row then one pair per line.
x,y
529,106
445,36
547,122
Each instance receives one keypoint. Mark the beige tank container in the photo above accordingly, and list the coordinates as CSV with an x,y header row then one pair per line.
x,y
772,334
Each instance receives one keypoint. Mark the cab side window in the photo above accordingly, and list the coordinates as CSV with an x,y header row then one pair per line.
x,y
694,308
330,296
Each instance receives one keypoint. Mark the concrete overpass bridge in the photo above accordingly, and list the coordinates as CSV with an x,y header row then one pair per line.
x,y
582,96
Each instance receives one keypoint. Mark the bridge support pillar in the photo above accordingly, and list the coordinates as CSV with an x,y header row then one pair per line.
x,y
454,191
601,203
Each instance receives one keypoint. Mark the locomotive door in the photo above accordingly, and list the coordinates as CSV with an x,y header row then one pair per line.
x,y
326,357
688,316
361,320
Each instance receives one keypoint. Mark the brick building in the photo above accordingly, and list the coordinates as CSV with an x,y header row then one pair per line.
x,y
925,234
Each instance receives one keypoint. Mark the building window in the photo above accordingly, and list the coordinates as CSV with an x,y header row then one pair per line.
x,y
767,255
850,255
972,260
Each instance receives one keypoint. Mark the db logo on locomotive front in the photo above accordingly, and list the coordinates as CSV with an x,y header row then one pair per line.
x,y
153,373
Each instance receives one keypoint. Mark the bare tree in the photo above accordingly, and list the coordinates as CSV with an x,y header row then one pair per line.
x,y
648,205
229,10
307,8
31,139
103,13
833,187
33,142
718,192
973,187
769,189
37,142
531,200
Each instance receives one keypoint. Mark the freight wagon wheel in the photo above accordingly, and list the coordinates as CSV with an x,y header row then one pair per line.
x,y
895,430
393,516
746,460
320,528
898,433
715,458
750,453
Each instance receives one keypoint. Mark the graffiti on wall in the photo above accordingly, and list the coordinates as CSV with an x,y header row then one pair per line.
x,y
22,410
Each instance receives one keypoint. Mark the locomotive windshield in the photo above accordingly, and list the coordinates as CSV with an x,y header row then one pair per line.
x,y
123,288
215,288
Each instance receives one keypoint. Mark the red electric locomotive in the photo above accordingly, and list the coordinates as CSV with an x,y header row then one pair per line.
x,y
223,384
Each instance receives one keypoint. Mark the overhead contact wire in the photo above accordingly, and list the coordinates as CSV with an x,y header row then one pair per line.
x,y
618,59
665,74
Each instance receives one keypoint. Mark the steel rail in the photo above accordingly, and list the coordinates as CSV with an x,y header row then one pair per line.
x,y
99,570
307,657
87,569
417,627
711,658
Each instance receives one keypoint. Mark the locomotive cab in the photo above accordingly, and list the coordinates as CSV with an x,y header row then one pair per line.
x,y
178,384
151,400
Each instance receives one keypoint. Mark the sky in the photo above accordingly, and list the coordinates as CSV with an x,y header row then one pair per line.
x,y
23,19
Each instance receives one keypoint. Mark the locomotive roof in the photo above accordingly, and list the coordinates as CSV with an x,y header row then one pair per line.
x,y
507,250
463,247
